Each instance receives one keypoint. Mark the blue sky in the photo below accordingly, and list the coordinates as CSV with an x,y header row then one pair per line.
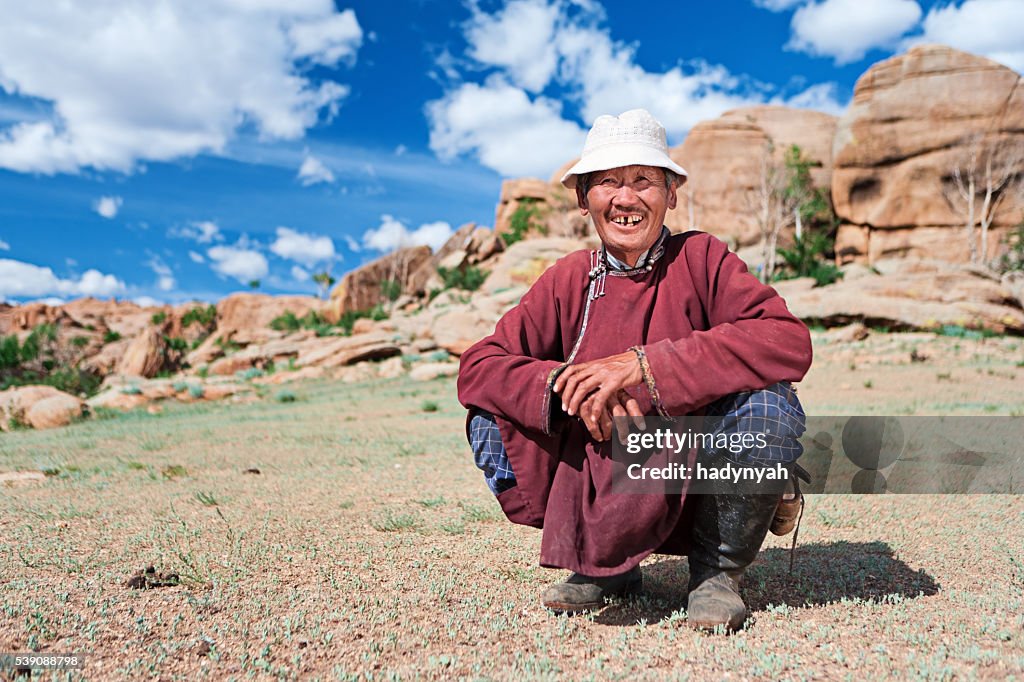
x,y
175,151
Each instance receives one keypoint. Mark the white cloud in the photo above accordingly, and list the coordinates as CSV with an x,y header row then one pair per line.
x,y
992,28
520,39
327,41
135,81
401,150
4,246
196,257
503,128
352,244
820,97
202,232
307,249
108,206
165,276
19,279
240,261
847,29
777,5
393,234
299,275
147,302
313,171
518,133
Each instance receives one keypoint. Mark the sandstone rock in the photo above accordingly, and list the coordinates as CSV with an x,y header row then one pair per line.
x,y
227,366
361,288
245,318
145,355
910,123
334,352
523,262
57,410
15,402
432,370
913,301
105,362
391,368
363,325
848,334
556,212
208,351
311,372
117,399
457,330
723,157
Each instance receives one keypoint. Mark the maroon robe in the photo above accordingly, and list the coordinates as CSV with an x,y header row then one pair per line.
x,y
708,327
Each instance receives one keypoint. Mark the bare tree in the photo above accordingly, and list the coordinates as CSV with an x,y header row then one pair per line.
x,y
324,281
989,170
775,203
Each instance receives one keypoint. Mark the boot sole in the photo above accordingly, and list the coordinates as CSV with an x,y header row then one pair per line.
x,y
566,607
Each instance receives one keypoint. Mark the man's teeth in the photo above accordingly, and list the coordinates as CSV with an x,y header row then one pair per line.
x,y
627,220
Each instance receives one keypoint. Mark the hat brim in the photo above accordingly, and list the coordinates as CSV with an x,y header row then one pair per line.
x,y
620,155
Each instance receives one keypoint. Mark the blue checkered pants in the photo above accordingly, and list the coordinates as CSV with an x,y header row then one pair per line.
x,y
774,411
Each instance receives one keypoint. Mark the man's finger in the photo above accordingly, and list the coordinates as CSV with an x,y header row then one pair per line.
x,y
618,419
633,409
580,391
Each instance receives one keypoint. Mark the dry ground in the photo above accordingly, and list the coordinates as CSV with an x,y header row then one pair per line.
x,y
367,547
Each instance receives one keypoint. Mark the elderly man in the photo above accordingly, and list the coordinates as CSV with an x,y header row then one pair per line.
x,y
649,324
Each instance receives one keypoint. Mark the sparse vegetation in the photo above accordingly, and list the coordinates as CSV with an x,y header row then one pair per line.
x,y
391,289
40,359
468,278
110,336
158,318
524,220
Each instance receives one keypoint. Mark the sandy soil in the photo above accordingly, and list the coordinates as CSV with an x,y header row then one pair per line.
x,y
346,535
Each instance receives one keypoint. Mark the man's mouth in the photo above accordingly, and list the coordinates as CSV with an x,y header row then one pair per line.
x,y
627,220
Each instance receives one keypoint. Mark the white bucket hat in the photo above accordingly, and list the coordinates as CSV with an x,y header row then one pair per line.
x,y
633,138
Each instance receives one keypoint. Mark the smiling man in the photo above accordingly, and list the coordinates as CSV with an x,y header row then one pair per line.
x,y
649,324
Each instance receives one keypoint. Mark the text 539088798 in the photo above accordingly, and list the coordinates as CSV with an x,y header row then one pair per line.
x,y
40,661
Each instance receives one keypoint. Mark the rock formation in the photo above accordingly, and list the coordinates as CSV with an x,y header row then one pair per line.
x,y
913,119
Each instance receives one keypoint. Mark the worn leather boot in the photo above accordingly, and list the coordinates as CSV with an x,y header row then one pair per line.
x,y
727,534
581,593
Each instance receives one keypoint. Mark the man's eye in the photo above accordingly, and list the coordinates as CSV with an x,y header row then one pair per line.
x,y
608,182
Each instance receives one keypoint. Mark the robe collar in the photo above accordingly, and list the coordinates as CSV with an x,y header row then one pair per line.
x,y
646,260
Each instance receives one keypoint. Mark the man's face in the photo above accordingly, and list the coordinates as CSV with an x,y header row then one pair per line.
x,y
628,205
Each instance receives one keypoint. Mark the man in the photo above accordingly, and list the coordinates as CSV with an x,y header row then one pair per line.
x,y
649,324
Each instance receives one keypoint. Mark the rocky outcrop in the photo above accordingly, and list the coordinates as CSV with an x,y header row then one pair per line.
x,y
547,207
245,318
913,119
910,295
525,261
724,160
361,288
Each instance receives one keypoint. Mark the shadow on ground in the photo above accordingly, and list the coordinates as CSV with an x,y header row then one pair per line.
x,y
822,574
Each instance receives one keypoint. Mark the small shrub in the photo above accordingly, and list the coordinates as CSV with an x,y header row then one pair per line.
x,y
80,341
285,396
469,278
131,390
523,219
205,317
389,522
172,471
110,336
179,386
286,322
196,391
391,289
158,318
176,343
249,374
429,406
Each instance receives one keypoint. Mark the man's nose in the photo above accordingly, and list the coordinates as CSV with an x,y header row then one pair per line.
x,y
625,195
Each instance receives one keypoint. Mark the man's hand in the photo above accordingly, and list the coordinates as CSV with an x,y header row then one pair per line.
x,y
594,391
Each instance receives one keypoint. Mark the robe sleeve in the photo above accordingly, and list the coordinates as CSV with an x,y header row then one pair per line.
x,y
752,340
510,373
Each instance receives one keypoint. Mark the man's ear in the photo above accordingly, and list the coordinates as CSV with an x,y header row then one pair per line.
x,y
672,195
581,200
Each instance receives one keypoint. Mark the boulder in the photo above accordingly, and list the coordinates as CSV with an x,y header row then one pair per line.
x,y
523,262
245,318
432,370
913,119
16,402
361,288
724,159
105,362
145,354
460,328
391,368
57,410
227,366
335,352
